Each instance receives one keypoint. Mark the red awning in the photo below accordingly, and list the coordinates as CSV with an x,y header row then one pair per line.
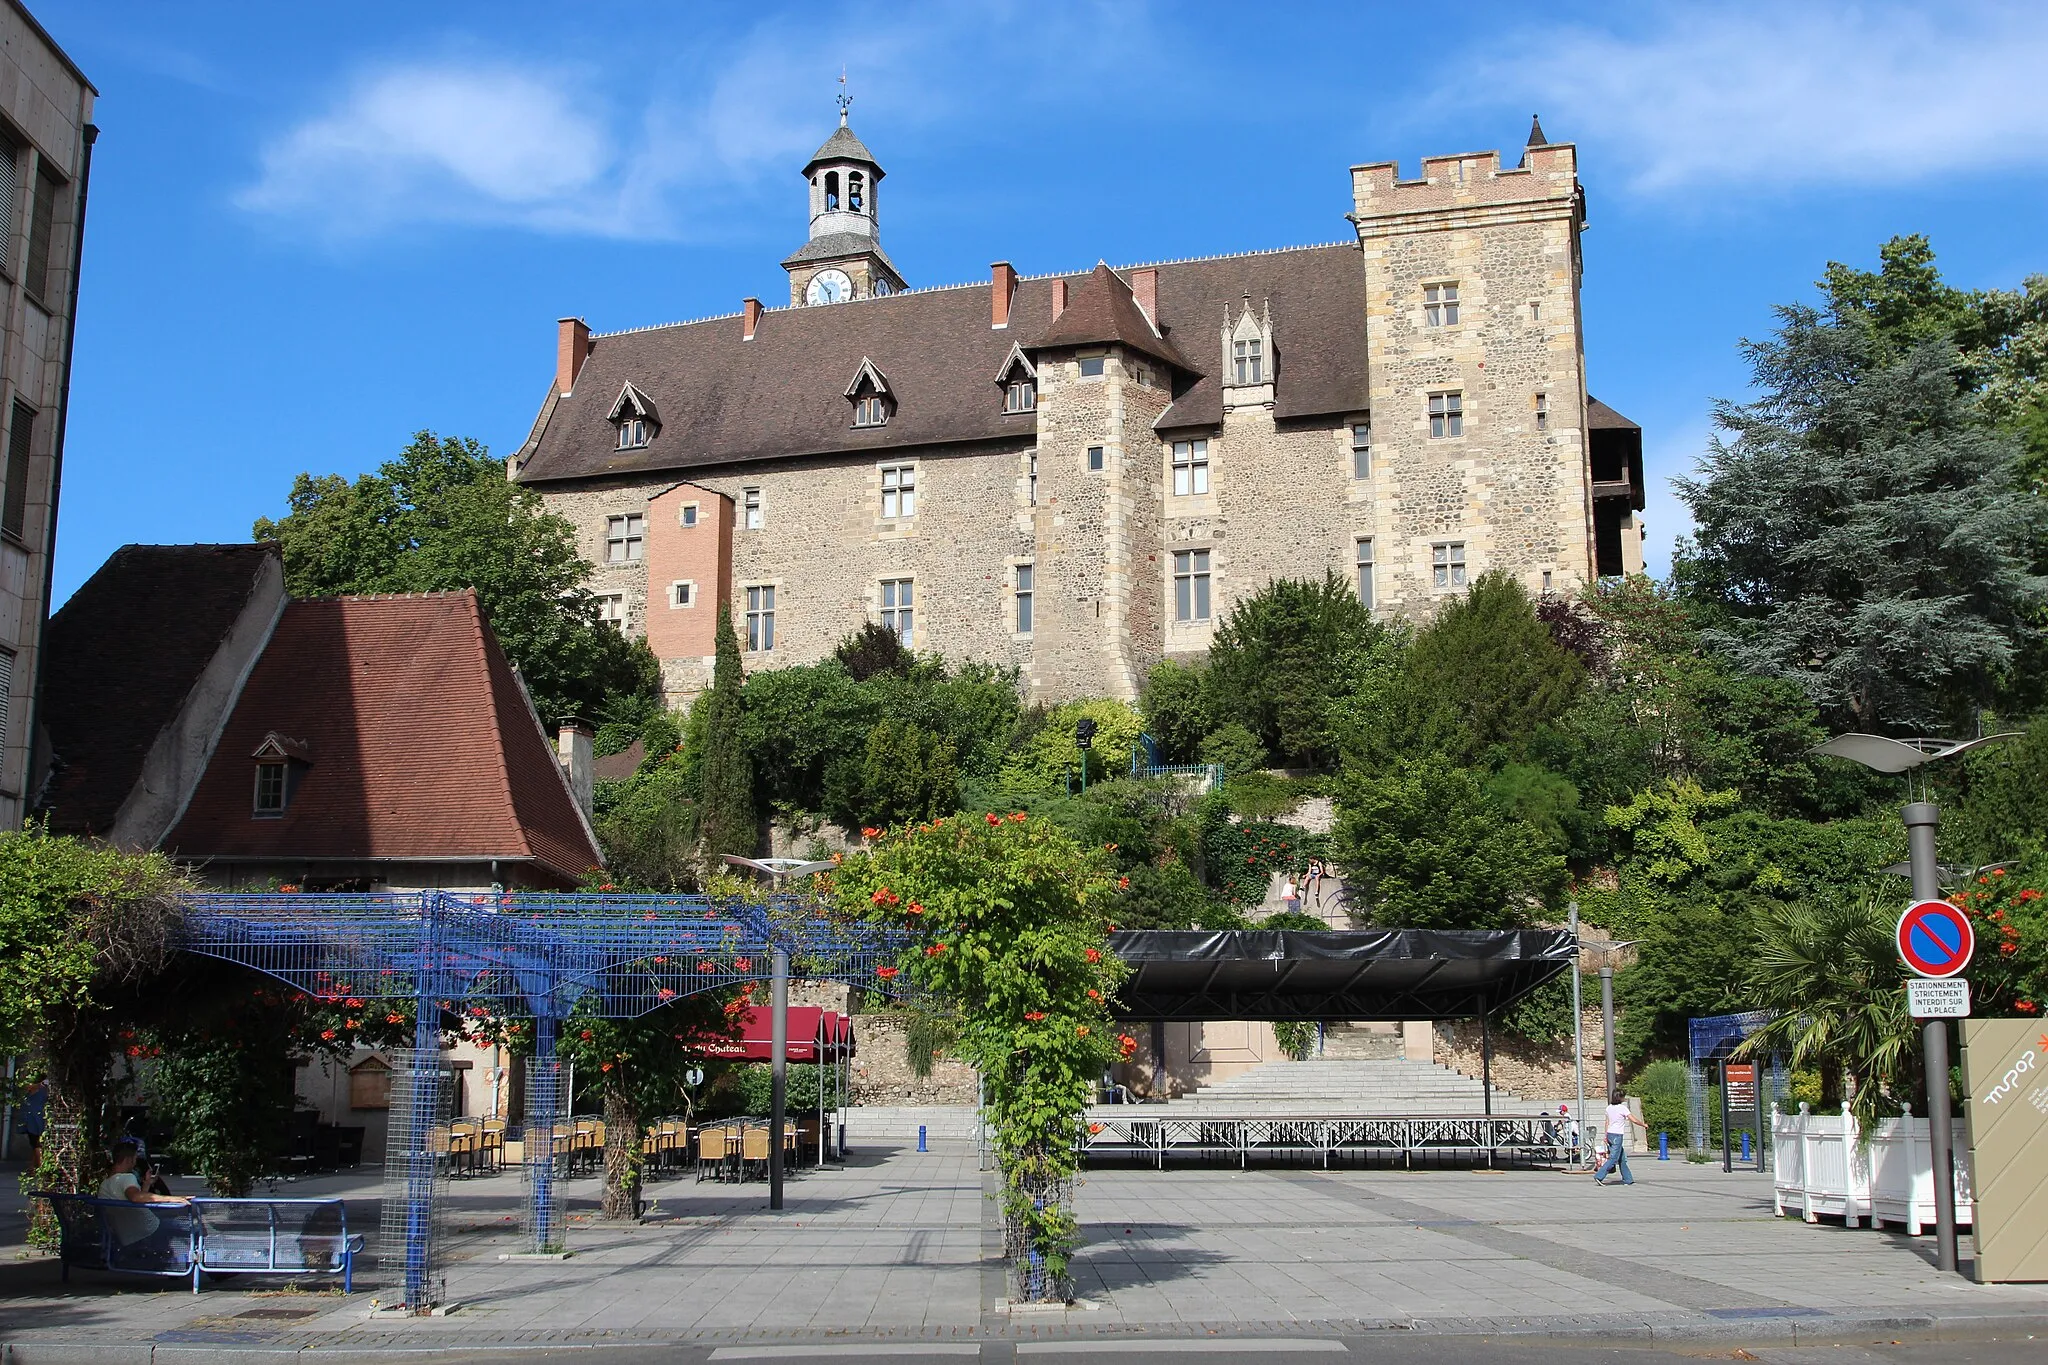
x,y
756,1039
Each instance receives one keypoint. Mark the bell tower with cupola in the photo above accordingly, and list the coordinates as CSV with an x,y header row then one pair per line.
x,y
843,258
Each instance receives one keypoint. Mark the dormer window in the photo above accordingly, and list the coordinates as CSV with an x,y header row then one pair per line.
x,y
1248,358
1250,361
1018,379
270,788
279,763
634,416
870,396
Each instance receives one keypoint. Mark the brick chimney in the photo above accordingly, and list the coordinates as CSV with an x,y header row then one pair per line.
x,y
572,348
1059,298
750,318
1001,287
1145,289
576,748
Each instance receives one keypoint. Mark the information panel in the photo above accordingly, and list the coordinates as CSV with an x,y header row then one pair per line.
x,y
2005,1072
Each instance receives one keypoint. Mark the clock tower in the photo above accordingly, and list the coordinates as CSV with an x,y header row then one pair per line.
x,y
843,259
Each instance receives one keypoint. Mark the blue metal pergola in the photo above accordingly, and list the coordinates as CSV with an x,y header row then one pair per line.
x,y
544,956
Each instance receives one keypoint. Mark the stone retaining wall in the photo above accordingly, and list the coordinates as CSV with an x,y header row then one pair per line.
x,y
882,1075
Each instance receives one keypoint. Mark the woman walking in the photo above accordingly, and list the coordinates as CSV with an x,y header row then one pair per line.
x,y
1619,1117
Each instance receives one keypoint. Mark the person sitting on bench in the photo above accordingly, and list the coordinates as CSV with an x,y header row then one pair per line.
x,y
139,1232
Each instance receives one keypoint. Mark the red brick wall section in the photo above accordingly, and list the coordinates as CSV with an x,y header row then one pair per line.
x,y
700,555
1145,289
1002,285
572,348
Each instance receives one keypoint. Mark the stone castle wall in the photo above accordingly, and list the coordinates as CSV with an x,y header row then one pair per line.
x,y
1517,497
1284,499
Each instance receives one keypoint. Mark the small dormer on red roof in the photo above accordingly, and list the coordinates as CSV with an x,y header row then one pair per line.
x,y
281,762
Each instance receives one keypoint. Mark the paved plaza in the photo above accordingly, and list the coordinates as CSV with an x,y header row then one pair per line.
x,y
899,1245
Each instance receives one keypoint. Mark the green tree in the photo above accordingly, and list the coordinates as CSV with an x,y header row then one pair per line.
x,y
907,774
83,928
638,1066
873,650
649,826
1423,845
1861,527
1487,672
729,819
1235,749
1009,917
1175,705
442,516
1280,661
1830,970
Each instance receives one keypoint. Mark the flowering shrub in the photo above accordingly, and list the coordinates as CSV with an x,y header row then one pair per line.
x,y
1242,858
1011,925
2009,972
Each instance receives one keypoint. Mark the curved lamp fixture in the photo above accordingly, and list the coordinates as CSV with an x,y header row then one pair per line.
x,y
1900,755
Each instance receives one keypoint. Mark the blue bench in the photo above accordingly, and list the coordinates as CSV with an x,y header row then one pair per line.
x,y
219,1236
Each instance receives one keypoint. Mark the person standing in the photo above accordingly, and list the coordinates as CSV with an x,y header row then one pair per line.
x,y
1619,1117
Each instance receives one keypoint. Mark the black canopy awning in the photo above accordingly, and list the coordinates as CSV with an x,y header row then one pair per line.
x,y
1389,974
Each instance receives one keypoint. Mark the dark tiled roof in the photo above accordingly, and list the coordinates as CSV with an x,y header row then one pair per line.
x,y
836,244
422,744
124,653
843,146
727,401
1600,417
1102,309
621,765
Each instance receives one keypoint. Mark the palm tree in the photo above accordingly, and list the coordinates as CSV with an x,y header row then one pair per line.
x,y
1830,971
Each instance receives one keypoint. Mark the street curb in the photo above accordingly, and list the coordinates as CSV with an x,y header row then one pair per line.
x,y
1817,1330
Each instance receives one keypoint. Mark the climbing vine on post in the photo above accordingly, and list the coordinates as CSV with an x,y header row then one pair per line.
x,y
1010,921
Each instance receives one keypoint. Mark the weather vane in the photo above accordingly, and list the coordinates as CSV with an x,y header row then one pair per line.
x,y
845,100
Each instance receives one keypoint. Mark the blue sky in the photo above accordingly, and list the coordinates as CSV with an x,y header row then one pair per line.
x,y
317,229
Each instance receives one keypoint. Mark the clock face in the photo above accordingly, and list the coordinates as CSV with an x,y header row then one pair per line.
x,y
881,287
829,286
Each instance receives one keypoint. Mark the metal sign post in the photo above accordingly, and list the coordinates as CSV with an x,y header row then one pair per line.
x,y
1935,940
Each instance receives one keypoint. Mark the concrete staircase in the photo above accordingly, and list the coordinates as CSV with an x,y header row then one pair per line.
x,y
1328,1085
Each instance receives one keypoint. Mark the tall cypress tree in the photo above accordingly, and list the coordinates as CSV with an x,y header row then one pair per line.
x,y
729,825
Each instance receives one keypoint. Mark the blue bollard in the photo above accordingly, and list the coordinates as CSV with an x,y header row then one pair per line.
x,y
1745,1146
920,1139
1663,1146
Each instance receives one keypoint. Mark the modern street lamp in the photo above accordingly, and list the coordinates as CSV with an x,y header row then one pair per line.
x,y
1906,756
778,870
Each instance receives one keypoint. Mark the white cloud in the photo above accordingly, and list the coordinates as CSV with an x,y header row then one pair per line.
x,y
478,143
1792,94
714,118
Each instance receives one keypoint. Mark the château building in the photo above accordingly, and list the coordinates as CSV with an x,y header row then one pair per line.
x,y
1078,474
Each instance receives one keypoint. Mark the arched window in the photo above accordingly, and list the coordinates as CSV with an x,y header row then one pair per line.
x,y
831,191
853,191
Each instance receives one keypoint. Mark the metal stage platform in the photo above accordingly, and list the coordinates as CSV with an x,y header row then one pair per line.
x,y
1476,1139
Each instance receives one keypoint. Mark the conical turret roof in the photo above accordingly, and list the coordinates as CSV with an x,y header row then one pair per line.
x,y
843,146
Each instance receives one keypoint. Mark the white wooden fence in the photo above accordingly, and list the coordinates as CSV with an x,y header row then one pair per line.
x,y
1823,1165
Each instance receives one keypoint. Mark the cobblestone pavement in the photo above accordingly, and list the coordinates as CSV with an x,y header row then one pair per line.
x,y
898,1246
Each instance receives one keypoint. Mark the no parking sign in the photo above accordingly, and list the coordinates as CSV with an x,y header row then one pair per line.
x,y
1935,938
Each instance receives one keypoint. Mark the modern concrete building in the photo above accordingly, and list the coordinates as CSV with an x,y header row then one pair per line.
x,y
1079,474
46,137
